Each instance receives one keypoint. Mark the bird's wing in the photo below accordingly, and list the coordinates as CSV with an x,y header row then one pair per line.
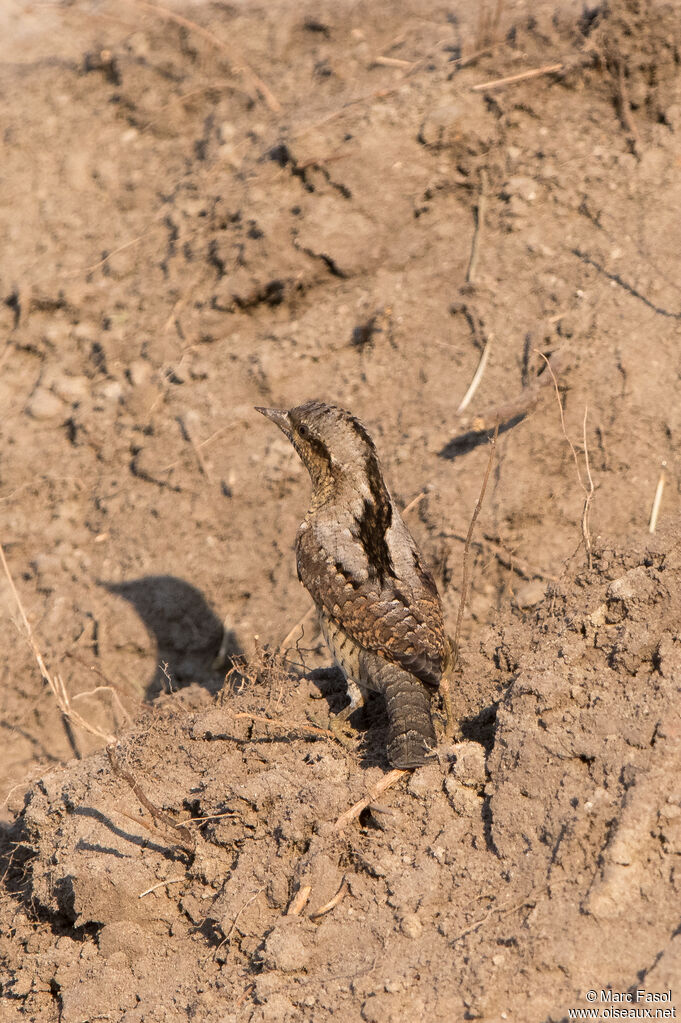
x,y
402,622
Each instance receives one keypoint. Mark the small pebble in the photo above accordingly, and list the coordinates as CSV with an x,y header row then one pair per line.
x,y
44,405
411,926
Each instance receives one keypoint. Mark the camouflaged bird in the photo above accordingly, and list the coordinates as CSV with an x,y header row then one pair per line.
x,y
378,605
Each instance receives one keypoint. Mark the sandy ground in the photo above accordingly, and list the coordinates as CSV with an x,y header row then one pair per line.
x,y
213,206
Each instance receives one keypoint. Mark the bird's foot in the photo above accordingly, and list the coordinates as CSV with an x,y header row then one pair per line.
x,y
343,732
452,728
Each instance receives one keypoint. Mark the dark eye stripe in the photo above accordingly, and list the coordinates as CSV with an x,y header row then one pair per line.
x,y
318,446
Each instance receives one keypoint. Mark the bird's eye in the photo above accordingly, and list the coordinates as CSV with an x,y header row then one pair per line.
x,y
303,430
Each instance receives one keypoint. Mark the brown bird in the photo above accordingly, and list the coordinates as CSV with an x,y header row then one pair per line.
x,y
378,605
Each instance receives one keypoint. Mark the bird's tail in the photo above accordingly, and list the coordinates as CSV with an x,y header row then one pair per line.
x,y
411,735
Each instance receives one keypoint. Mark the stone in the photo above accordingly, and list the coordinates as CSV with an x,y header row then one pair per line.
x,y
411,926
284,947
44,405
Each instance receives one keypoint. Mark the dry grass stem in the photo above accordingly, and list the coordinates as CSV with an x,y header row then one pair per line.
x,y
523,76
236,918
496,911
524,403
196,448
366,98
472,58
102,262
115,698
414,501
288,726
161,884
477,377
191,26
657,501
479,227
465,579
55,682
588,491
187,840
299,900
286,643
151,828
518,565
393,62
332,903
386,782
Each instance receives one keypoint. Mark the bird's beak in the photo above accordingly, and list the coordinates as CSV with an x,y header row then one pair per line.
x,y
278,416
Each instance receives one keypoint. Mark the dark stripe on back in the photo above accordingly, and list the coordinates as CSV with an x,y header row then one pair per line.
x,y
377,514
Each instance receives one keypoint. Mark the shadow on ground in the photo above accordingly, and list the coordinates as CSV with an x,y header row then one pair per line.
x,y
192,643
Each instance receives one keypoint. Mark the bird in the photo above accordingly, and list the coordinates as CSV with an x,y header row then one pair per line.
x,y
378,605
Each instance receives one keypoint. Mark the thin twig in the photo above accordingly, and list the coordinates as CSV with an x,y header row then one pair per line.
x,y
479,226
213,817
196,448
505,558
367,97
465,579
257,82
393,62
500,83
500,910
9,345
386,782
414,501
588,491
562,417
524,403
462,62
101,262
55,682
161,884
188,840
114,696
477,377
657,501
286,642
299,900
234,921
332,903
153,829
287,725
180,304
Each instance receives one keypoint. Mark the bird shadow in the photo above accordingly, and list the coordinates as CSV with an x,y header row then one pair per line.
x,y
466,442
192,643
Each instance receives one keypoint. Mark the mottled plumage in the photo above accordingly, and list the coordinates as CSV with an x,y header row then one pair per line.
x,y
378,604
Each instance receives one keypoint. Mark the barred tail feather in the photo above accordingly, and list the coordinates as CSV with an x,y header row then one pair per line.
x,y
411,735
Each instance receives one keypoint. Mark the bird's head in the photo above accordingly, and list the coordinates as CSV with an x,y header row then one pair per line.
x,y
330,441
